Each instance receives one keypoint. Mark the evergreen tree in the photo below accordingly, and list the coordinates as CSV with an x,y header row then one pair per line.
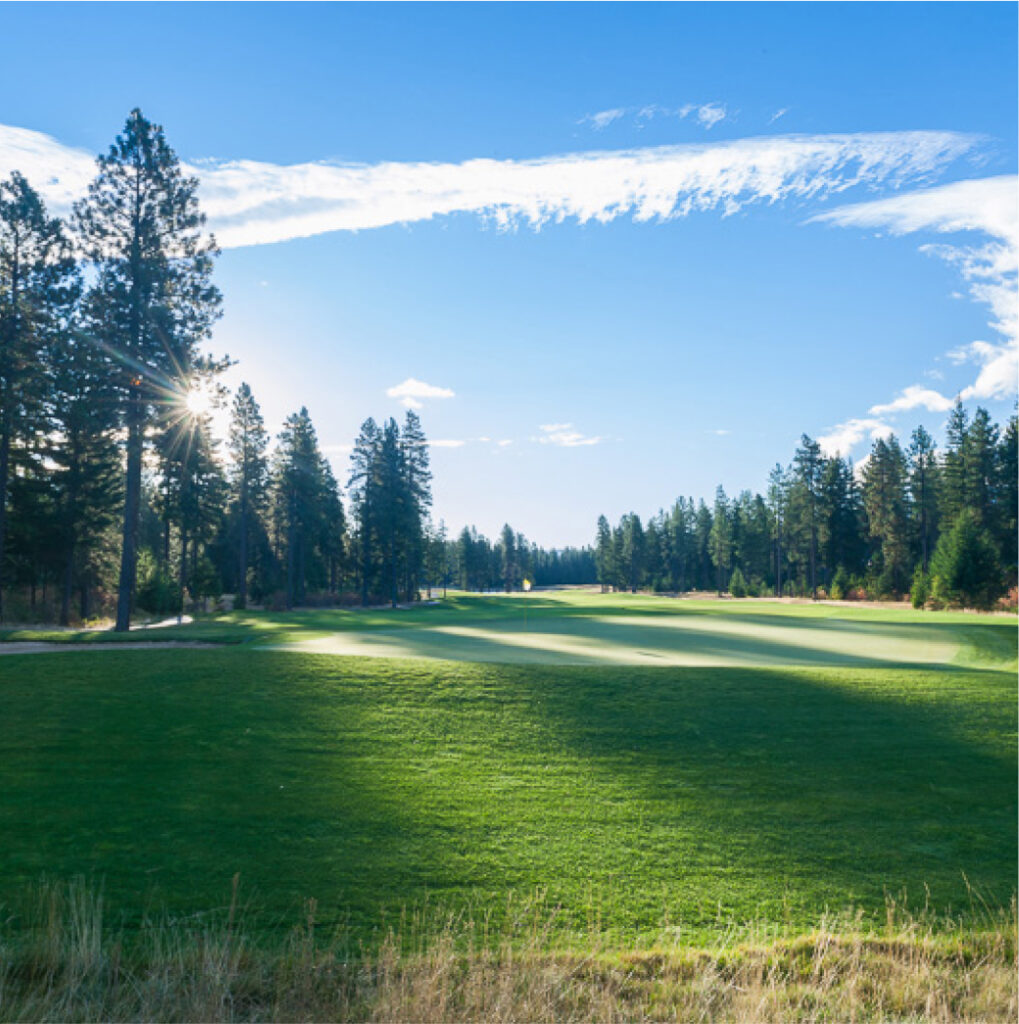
x,y
39,285
964,569
248,442
153,301
809,469
923,485
884,496
721,540
85,463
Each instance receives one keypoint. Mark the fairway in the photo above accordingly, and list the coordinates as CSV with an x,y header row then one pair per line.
x,y
852,760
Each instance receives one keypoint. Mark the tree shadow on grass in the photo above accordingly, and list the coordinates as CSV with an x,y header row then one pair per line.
x,y
803,787
160,775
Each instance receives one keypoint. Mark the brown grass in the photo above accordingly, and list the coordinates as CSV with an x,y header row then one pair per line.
x,y
63,962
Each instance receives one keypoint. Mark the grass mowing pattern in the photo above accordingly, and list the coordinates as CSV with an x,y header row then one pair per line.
x,y
633,797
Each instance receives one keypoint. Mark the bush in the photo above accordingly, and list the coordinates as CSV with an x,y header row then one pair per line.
x,y
840,584
737,584
158,592
919,592
964,569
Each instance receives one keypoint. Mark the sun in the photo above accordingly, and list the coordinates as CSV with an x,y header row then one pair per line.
x,y
198,401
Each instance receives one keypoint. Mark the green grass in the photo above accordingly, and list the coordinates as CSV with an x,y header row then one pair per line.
x,y
611,629
635,797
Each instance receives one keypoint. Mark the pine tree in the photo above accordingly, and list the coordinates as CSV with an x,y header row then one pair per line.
x,y
809,468
39,285
721,539
923,485
82,452
301,489
248,442
153,301
632,551
884,497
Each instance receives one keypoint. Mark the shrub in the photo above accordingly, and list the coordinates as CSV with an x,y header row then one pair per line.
x,y
840,584
920,590
158,592
737,584
964,569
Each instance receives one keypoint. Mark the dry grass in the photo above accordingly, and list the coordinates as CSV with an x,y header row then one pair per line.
x,y
62,962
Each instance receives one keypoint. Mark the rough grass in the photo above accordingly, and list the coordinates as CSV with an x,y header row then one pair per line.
x,y
68,963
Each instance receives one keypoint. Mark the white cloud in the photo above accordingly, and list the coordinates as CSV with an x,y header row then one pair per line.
x,y
565,436
505,443
778,113
709,114
841,439
255,203
448,443
914,397
986,206
603,118
411,392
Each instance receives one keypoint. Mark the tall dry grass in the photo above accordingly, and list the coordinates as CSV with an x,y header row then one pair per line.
x,y
61,961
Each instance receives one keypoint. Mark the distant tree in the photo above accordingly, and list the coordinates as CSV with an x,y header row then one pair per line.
x,y
778,494
964,569
923,485
808,471
721,539
632,551
884,496
247,443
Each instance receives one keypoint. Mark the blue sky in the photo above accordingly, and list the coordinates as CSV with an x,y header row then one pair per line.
x,y
646,245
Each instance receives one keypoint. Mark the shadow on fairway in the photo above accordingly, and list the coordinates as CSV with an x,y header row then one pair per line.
x,y
802,783
158,776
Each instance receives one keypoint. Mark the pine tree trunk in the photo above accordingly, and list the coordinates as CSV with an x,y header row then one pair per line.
x,y
5,462
132,508
242,582
182,571
65,599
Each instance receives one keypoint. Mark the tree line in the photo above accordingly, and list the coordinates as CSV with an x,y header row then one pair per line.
x,y
937,525
115,495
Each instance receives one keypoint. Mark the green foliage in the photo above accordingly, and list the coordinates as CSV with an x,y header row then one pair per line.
x,y
158,592
840,584
919,592
737,584
965,569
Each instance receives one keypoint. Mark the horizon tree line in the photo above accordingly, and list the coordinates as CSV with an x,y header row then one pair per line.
x,y
939,526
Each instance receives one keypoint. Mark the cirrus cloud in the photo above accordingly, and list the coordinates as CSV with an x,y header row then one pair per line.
x,y
252,202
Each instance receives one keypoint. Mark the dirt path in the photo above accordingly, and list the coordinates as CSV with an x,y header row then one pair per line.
x,y
32,647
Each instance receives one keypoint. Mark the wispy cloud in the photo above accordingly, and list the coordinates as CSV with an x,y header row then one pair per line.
x,y
983,206
447,443
914,397
709,114
411,392
841,439
603,118
256,203
778,113
565,436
